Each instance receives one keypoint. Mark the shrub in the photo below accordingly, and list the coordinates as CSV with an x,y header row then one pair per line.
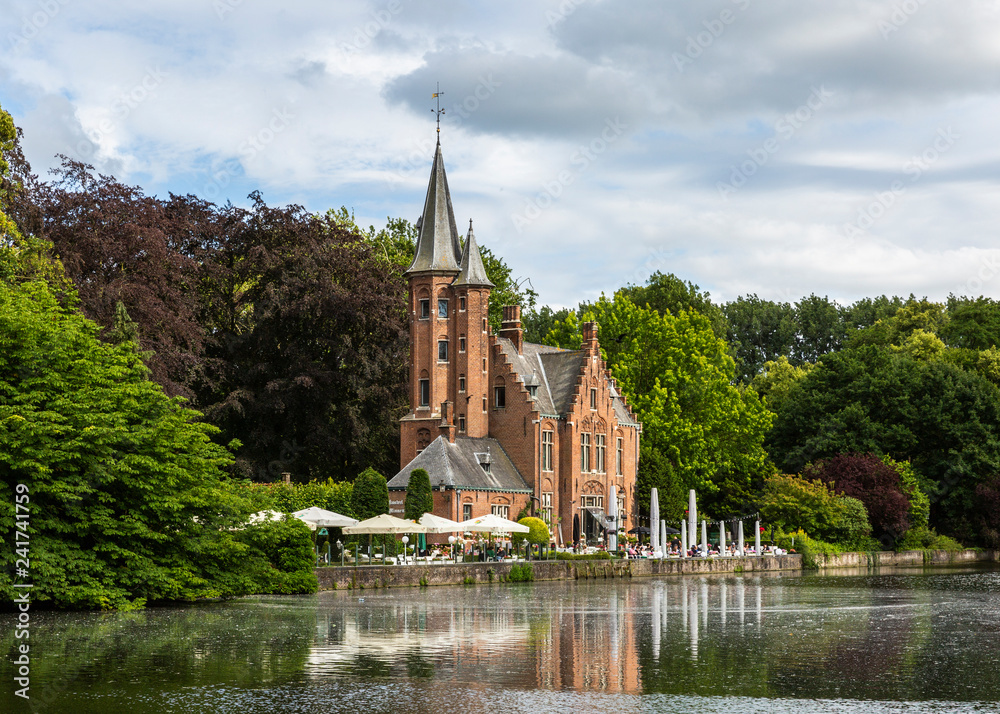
x,y
924,538
600,555
521,573
874,483
808,547
795,503
538,535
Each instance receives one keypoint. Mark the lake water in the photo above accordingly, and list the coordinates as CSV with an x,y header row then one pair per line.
x,y
908,640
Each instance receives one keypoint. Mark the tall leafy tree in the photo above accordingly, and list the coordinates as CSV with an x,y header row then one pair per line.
x,y
370,496
679,379
419,497
668,293
760,331
308,349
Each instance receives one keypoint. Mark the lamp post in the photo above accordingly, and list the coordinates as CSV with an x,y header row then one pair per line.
x,y
406,539
451,539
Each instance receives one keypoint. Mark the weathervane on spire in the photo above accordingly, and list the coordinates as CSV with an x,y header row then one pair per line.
x,y
439,111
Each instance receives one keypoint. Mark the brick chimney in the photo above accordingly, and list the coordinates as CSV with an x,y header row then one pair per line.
x,y
589,330
446,426
511,326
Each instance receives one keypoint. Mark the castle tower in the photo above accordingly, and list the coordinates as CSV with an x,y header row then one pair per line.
x,y
448,301
472,291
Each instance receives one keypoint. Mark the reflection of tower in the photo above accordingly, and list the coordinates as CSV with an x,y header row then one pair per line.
x,y
656,625
758,605
723,593
693,628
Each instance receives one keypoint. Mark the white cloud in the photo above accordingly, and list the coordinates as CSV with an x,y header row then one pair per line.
x,y
329,104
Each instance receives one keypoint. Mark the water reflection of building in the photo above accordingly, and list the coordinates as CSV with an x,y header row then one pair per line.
x,y
586,636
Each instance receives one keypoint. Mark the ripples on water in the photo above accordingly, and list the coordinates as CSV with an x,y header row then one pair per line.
x,y
702,644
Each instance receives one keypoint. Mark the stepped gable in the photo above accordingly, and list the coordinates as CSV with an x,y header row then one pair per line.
x,y
458,465
552,369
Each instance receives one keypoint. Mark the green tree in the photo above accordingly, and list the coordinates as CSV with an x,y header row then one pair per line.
x,y
760,331
942,419
126,487
792,503
538,323
668,293
679,378
370,496
776,379
565,333
973,323
419,497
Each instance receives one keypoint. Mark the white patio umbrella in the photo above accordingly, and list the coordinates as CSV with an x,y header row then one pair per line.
x,y
491,523
722,538
613,512
321,518
704,536
384,523
692,518
663,538
654,520
739,536
437,524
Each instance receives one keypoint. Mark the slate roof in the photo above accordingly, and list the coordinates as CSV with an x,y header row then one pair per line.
x,y
554,370
438,247
472,270
457,466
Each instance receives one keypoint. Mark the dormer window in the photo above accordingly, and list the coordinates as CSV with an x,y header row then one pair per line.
x,y
533,391
484,460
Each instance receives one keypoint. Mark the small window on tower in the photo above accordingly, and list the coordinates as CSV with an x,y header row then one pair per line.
x,y
461,423
500,397
484,404
461,383
425,392
484,324
442,350
461,343
442,308
425,309
593,399
461,304
484,364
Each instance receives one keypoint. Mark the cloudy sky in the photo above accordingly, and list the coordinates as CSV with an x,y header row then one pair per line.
x,y
846,148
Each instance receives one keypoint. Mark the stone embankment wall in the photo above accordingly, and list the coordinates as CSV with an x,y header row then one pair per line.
x,y
396,576
908,558
401,576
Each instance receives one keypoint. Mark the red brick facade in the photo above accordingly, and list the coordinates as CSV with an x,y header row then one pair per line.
x,y
454,393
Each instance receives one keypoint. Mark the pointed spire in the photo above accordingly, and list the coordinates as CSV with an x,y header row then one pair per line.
x,y
472,271
438,247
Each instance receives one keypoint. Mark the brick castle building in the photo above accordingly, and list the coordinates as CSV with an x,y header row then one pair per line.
x,y
497,422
